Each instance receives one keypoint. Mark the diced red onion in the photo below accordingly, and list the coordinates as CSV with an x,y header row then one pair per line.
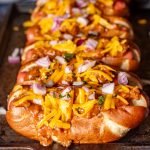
x,y
50,83
67,15
91,44
15,52
53,42
68,69
39,89
68,36
2,111
93,33
76,10
43,62
86,89
79,35
65,91
56,25
80,42
122,78
60,87
77,83
82,21
108,88
81,3
92,96
58,21
83,68
37,101
61,60
64,82
13,60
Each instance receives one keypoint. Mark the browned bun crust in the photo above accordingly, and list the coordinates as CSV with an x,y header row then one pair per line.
x,y
111,125
21,120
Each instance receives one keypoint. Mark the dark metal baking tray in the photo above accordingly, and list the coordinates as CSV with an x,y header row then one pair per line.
x,y
137,139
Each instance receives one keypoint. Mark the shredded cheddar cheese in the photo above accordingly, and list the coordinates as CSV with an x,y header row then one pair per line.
x,y
113,47
46,25
28,98
66,46
99,20
46,118
107,102
122,99
87,106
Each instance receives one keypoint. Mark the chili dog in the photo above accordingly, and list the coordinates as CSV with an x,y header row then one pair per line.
x,y
116,52
91,112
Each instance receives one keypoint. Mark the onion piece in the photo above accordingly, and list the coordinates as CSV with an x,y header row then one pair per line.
x,y
39,89
50,83
43,62
56,25
122,78
76,10
68,69
94,33
92,96
37,101
80,42
65,91
77,83
2,111
81,3
13,60
86,89
83,68
15,52
83,21
91,43
53,42
108,88
61,60
68,36
64,82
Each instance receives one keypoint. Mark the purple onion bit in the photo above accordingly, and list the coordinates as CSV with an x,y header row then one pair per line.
x,y
39,89
80,42
122,78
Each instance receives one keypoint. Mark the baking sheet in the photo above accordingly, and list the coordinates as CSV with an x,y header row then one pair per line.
x,y
137,139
